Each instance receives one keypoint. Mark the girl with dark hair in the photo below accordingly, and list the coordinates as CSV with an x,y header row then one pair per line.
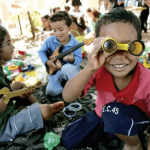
x,y
76,9
45,22
23,113
78,28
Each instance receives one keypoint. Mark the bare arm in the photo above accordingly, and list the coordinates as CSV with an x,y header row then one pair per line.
x,y
96,59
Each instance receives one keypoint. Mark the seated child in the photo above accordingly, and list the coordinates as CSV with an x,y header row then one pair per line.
x,y
122,84
61,24
45,22
78,28
15,121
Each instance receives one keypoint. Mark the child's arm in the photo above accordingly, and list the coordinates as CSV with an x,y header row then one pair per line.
x,y
3,105
96,59
29,95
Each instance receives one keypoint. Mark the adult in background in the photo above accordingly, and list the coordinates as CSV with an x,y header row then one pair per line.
x,y
144,15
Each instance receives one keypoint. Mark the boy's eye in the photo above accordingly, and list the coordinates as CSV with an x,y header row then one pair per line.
x,y
61,29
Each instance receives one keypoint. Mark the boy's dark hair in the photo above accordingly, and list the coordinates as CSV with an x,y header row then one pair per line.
x,y
3,33
76,3
61,15
119,15
79,21
46,16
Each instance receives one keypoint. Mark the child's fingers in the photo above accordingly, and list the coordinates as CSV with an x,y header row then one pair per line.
x,y
3,97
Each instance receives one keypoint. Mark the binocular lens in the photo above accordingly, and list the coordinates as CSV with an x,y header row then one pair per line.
x,y
136,48
110,46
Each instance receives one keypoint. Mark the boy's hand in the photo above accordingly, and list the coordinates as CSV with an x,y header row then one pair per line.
x,y
26,95
3,105
97,58
69,58
52,65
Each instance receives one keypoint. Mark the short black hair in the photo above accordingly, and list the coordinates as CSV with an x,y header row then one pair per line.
x,y
61,15
76,3
119,15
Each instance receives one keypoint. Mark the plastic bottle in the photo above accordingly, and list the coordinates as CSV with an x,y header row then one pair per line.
x,y
12,76
51,140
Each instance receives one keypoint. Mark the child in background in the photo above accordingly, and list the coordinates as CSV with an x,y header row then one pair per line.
x,y
122,84
76,11
67,9
15,121
78,28
47,28
61,25
56,9
94,15
45,22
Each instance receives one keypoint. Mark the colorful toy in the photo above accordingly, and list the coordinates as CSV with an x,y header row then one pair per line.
x,y
51,140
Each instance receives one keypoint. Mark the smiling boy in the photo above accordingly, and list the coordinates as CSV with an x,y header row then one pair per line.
x,y
122,84
61,24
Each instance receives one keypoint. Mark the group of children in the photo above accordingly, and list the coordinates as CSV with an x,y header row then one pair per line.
x,y
122,83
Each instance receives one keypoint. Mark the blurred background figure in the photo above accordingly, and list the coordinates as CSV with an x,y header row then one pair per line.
x,y
56,9
67,9
104,6
144,15
77,29
45,23
94,15
46,31
76,9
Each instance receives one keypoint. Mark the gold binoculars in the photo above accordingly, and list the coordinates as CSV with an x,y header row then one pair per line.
x,y
135,47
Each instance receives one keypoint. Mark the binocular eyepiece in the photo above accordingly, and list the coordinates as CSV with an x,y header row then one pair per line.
x,y
135,47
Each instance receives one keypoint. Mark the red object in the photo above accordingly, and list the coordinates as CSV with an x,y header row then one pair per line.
x,y
148,54
21,52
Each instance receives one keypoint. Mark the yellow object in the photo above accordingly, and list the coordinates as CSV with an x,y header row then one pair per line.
x,y
31,78
14,67
146,64
135,47
80,38
19,78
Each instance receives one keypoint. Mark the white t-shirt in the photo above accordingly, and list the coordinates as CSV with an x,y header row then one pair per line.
x,y
76,14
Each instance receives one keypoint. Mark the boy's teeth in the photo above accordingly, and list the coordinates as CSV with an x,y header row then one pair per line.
x,y
119,66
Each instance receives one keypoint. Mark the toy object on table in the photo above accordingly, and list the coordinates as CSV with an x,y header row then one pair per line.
x,y
51,140
29,67
29,78
23,53
146,61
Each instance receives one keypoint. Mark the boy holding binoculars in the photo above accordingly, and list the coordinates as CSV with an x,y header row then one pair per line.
x,y
122,83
